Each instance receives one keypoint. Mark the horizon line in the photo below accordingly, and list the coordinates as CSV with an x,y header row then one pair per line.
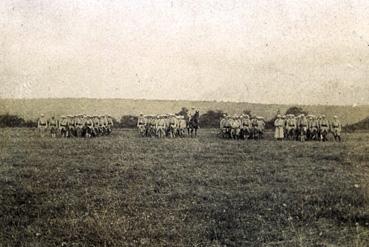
x,y
189,100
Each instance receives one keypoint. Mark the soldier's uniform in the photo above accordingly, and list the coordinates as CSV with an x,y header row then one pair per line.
x,y
261,126
141,124
102,125
324,128
336,128
222,124
160,127
42,125
110,123
191,113
246,125
167,127
291,125
71,126
254,127
279,128
89,127
53,125
173,125
303,124
96,122
79,125
153,122
63,126
235,127
314,127
182,125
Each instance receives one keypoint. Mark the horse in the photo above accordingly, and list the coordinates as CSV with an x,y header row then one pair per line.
x,y
193,124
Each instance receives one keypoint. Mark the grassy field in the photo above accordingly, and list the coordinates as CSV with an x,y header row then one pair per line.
x,y
124,190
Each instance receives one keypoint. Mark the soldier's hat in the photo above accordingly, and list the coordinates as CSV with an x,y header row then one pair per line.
x,y
335,116
62,116
278,115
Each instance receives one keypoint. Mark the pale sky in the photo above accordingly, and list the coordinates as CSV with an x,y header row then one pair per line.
x,y
260,51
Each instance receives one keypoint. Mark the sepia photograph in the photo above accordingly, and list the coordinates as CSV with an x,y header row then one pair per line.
x,y
220,123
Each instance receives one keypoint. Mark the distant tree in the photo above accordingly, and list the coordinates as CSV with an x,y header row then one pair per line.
x,y
30,124
128,121
211,119
361,125
295,110
116,123
8,120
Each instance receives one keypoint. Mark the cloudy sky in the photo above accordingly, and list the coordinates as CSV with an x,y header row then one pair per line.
x,y
262,51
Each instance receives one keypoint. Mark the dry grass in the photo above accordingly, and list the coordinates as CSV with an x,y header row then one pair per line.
x,y
128,191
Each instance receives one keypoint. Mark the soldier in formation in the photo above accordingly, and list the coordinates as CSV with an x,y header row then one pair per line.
x,y
162,126
310,127
76,126
242,127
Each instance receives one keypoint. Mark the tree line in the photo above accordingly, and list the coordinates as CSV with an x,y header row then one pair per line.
x,y
209,119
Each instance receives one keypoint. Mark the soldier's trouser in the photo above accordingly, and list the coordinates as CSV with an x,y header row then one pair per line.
x,y
160,132
303,131
245,131
323,133
290,131
63,131
53,131
71,132
314,133
235,132
173,131
337,134
42,130
141,130
255,132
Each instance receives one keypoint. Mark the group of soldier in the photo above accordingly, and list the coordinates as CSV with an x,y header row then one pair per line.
x,y
169,125
75,126
160,126
287,127
242,127
306,127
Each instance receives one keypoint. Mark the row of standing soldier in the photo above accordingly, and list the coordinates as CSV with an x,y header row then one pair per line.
x,y
310,127
75,126
242,127
168,125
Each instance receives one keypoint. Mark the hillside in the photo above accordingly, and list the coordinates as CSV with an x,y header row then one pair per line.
x,y
32,108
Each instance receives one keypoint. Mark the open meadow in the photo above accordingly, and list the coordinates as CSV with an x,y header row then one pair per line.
x,y
123,190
